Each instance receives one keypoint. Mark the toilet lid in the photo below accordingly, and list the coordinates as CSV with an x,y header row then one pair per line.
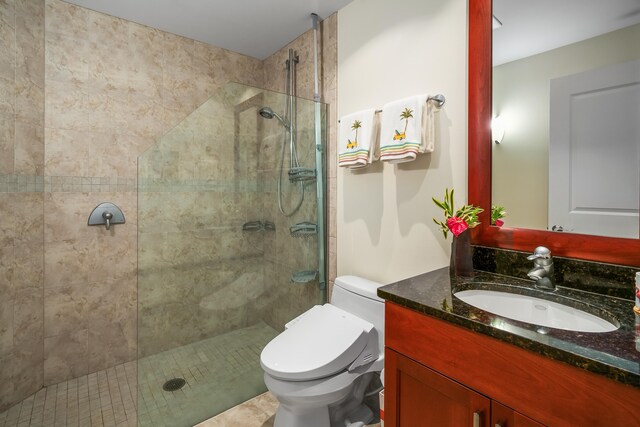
x,y
322,341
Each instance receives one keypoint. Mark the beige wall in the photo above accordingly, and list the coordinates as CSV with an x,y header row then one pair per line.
x,y
521,98
389,50
21,199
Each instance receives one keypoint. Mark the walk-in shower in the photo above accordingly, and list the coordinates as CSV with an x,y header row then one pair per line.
x,y
220,269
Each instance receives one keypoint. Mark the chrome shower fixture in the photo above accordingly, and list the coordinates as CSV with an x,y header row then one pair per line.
x,y
268,113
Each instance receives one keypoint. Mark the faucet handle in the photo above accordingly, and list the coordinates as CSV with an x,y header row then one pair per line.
x,y
540,252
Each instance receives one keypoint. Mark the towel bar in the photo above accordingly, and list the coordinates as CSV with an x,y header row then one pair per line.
x,y
439,99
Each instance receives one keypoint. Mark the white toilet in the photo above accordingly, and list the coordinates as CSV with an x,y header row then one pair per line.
x,y
321,365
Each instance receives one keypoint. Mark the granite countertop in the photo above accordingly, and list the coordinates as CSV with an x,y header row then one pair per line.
x,y
612,354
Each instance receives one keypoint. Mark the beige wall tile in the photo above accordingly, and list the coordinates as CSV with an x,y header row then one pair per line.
x,y
29,101
7,95
66,356
30,41
7,143
66,58
66,105
7,41
29,149
28,317
6,325
66,18
63,147
7,392
28,375
21,148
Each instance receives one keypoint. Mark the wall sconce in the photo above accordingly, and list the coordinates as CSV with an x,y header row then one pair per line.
x,y
495,23
497,129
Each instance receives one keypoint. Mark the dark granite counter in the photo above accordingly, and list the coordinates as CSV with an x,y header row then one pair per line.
x,y
612,354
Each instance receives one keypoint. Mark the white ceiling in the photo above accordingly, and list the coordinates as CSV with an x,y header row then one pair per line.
x,y
256,28
530,27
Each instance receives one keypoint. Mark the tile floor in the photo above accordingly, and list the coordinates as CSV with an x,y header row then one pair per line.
x,y
220,372
99,399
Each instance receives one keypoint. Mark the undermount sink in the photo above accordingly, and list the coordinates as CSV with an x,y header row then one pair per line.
x,y
536,311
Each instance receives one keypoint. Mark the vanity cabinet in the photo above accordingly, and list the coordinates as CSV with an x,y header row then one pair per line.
x,y
440,374
426,398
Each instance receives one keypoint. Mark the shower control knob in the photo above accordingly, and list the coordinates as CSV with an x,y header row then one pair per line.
x,y
108,216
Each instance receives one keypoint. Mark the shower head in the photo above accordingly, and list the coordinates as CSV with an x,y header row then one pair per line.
x,y
268,113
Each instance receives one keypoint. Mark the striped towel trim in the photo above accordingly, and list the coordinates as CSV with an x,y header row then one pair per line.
x,y
349,157
395,150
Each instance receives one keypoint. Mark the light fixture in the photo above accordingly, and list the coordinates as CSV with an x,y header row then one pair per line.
x,y
496,22
497,129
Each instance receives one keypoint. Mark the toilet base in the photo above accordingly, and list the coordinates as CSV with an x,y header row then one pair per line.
x,y
319,417
347,410
312,417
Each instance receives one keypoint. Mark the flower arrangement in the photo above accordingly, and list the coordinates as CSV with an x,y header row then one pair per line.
x,y
456,221
497,213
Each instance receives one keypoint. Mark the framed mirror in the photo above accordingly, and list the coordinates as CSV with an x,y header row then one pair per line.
x,y
624,251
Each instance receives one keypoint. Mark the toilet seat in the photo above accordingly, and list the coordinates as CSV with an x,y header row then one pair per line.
x,y
321,342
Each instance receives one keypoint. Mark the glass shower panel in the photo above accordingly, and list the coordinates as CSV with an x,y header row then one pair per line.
x,y
216,258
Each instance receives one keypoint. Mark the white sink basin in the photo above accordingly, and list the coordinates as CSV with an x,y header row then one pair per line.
x,y
535,311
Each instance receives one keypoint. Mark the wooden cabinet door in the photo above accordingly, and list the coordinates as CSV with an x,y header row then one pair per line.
x,y
503,416
416,396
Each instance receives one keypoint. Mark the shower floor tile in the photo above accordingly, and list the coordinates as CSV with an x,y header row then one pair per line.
x,y
100,399
220,372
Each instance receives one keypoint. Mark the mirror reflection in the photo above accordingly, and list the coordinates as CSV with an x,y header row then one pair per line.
x,y
566,115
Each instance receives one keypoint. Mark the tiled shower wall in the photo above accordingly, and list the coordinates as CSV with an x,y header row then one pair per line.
x,y
113,87
21,198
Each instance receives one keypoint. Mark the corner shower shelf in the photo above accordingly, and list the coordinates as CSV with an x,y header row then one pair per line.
x,y
301,174
304,276
303,229
258,226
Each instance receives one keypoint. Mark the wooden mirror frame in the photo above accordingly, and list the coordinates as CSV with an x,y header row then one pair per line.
x,y
594,248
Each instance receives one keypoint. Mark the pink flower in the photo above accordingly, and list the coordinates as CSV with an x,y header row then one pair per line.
x,y
457,225
499,223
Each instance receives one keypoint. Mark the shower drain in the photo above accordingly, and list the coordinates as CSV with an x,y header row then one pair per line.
x,y
174,384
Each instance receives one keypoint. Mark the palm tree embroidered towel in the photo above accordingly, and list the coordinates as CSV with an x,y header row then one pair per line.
x,y
359,139
407,129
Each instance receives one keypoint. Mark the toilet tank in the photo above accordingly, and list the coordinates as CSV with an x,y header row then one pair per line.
x,y
358,296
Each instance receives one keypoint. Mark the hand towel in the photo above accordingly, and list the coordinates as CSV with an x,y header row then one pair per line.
x,y
407,129
359,134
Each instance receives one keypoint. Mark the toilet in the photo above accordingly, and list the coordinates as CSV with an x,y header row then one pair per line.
x,y
321,366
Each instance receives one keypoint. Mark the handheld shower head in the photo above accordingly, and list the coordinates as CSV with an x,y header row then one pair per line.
x,y
268,113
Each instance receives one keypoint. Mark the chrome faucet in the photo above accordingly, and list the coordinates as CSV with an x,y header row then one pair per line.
x,y
542,271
